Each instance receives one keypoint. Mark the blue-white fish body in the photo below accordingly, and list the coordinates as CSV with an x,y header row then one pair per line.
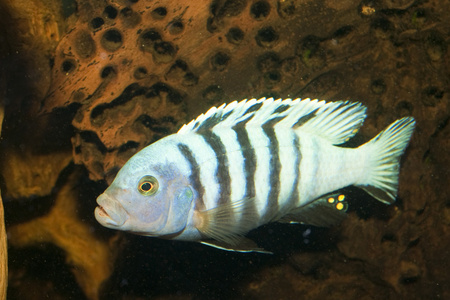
x,y
249,163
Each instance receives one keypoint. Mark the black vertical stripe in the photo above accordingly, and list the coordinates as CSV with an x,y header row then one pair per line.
x,y
210,122
226,115
298,158
248,153
253,108
274,169
303,119
282,108
195,175
222,173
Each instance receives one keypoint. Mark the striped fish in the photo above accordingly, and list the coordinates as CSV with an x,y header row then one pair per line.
x,y
249,163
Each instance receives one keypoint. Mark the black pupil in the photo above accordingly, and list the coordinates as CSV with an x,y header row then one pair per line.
x,y
146,186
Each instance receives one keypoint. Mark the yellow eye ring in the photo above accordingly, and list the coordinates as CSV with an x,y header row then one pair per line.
x,y
148,185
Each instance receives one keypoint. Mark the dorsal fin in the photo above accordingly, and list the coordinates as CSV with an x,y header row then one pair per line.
x,y
334,121
232,113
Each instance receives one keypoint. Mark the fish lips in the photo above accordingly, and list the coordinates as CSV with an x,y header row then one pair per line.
x,y
109,212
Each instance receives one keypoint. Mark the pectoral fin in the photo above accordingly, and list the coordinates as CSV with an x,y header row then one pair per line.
x,y
227,222
325,211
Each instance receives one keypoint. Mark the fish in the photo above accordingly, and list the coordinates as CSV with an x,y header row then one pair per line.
x,y
248,163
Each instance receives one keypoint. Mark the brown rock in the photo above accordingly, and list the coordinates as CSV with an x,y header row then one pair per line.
x,y
91,258
132,70
31,175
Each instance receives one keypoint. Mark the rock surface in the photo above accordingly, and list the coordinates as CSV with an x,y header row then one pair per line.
x,y
97,81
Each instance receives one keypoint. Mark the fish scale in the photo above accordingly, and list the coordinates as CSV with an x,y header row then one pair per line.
x,y
248,163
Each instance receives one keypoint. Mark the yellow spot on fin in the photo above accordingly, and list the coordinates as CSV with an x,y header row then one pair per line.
x,y
325,211
340,206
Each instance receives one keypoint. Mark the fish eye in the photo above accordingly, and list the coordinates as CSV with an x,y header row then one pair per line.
x,y
148,185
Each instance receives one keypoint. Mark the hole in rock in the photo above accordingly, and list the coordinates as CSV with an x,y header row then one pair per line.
x,y
110,12
96,23
68,66
164,52
219,61
108,71
266,37
130,18
159,13
160,88
140,73
259,10
235,35
147,39
176,27
111,40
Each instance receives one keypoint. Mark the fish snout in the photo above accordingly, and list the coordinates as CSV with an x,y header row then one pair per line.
x,y
109,212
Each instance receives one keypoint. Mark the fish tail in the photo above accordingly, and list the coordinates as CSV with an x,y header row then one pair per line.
x,y
385,151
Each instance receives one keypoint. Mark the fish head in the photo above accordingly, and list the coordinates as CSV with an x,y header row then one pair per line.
x,y
149,196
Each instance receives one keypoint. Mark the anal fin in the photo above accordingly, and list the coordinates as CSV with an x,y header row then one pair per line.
x,y
325,211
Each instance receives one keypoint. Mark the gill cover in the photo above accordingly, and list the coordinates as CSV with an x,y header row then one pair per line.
x,y
165,208
179,211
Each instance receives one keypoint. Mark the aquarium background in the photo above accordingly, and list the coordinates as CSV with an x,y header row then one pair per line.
x,y
86,84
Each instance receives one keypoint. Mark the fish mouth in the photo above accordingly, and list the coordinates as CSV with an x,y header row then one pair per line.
x,y
109,212
102,212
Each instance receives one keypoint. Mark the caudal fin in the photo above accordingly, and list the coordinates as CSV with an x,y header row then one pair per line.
x,y
386,149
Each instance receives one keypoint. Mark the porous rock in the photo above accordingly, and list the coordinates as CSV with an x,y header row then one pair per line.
x,y
135,70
